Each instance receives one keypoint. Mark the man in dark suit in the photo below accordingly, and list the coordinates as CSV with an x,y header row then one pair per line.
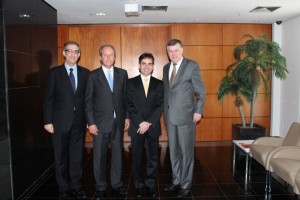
x,y
184,97
145,106
105,109
64,118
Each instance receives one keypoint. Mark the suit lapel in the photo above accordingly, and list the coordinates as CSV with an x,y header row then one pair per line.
x,y
102,78
166,74
65,78
151,86
117,79
140,85
179,72
79,78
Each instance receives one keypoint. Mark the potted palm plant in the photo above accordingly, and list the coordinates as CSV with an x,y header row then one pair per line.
x,y
255,61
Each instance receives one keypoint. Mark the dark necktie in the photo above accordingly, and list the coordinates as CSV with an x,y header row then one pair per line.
x,y
173,74
72,79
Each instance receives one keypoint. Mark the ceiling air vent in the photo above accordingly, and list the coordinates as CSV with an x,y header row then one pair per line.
x,y
154,8
261,9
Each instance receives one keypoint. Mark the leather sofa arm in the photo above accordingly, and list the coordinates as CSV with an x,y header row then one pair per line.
x,y
288,152
269,141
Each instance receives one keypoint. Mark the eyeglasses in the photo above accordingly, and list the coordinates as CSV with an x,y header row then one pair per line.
x,y
143,63
72,51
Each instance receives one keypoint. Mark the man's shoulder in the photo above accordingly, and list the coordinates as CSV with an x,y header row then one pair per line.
x,y
120,70
57,69
156,80
83,68
189,61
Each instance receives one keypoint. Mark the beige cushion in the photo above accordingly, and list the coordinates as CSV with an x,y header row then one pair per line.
x,y
260,153
297,180
293,136
286,169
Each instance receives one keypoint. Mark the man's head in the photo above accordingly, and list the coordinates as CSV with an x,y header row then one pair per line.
x,y
146,64
107,55
71,52
175,50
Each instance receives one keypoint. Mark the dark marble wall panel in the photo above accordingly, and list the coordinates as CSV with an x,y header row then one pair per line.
x,y
6,191
29,53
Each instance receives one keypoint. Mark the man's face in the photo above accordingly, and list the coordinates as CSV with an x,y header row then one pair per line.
x,y
108,57
175,53
146,66
71,54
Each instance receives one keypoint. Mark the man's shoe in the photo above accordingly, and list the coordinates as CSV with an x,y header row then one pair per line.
x,y
100,195
80,194
183,193
139,192
63,195
151,192
120,190
172,188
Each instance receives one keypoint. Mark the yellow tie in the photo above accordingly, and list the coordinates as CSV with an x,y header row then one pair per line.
x,y
146,85
173,74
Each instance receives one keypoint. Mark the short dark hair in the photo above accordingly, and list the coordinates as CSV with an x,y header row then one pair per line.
x,y
146,55
71,42
173,42
107,45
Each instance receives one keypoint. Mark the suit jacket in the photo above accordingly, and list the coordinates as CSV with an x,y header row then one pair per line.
x,y
101,103
61,105
141,108
187,94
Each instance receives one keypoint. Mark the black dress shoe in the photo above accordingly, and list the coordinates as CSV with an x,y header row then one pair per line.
x,y
151,192
183,193
119,190
100,195
139,192
80,194
172,188
63,195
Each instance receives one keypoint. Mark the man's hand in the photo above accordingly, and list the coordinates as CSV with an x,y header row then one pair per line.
x,y
49,128
197,118
127,124
93,129
144,127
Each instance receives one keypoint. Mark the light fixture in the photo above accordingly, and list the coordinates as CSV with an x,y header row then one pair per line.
x,y
100,14
132,10
24,15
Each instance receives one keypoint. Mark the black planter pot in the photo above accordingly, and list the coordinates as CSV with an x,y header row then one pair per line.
x,y
247,133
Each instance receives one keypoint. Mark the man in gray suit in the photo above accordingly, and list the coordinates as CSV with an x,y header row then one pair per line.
x,y
105,109
184,97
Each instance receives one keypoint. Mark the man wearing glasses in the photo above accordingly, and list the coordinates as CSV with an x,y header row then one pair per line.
x,y
64,119
145,106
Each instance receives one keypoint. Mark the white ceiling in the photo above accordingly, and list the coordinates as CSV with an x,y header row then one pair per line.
x,y
179,11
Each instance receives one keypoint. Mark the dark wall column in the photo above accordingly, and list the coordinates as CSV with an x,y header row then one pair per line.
x,y
28,47
5,156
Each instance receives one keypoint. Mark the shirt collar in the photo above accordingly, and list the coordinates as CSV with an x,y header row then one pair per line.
x,y
68,67
178,64
106,69
143,77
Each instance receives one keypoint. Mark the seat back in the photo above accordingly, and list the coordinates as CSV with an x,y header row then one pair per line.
x,y
293,136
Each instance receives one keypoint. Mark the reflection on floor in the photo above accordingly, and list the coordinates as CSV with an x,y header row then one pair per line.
x,y
213,178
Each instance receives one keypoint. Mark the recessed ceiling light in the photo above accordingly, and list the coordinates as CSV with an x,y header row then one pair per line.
x,y
100,14
24,15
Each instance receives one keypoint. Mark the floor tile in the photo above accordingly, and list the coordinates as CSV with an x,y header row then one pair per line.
x,y
213,177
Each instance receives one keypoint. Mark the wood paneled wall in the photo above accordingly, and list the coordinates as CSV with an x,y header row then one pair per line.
x,y
211,45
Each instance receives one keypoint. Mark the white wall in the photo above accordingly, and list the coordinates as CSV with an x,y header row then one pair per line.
x,y
288,89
